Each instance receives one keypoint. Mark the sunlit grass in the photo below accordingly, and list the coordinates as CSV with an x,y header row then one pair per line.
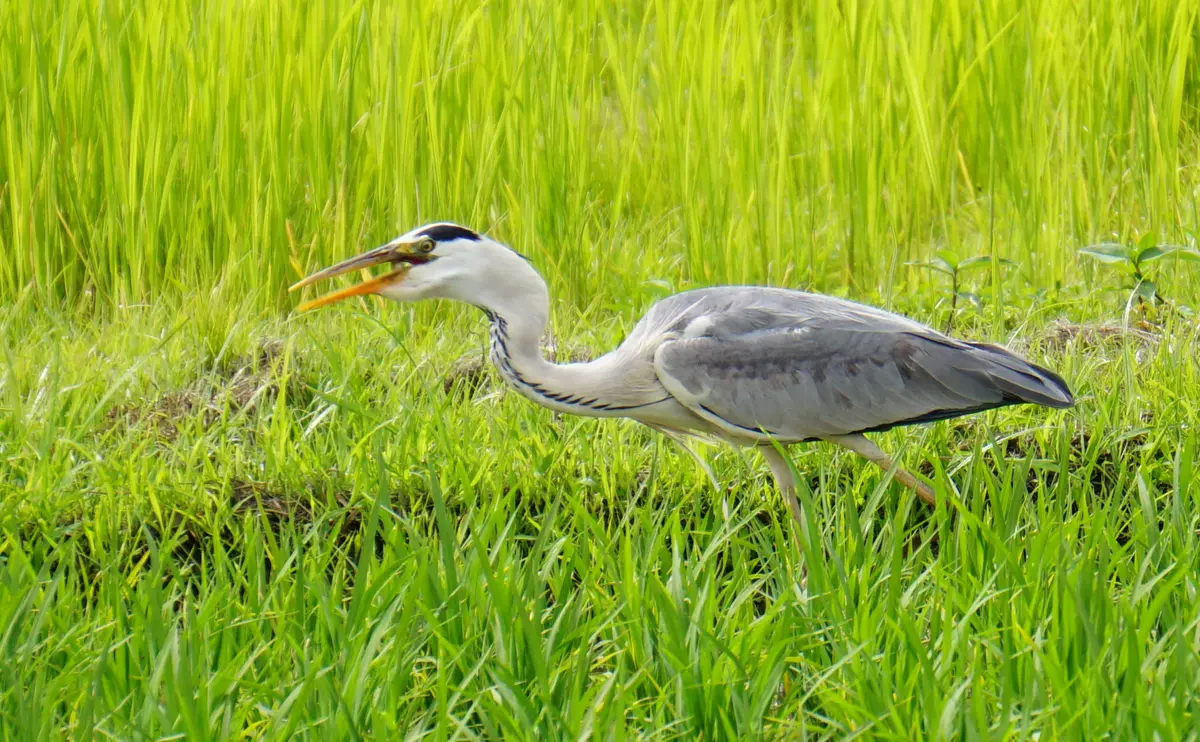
x,y
221,520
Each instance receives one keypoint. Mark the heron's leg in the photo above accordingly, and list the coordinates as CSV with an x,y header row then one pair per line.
x,y
784,478
859,444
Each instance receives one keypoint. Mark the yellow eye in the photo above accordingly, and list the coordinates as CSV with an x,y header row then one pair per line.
x,y
427,245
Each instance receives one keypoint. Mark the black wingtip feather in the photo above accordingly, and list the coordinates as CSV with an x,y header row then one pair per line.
x,y
1046,388
1060,385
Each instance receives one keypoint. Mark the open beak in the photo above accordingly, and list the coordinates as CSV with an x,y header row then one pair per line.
x,y
399,254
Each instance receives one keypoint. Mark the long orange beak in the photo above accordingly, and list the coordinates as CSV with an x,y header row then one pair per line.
x,y
399,254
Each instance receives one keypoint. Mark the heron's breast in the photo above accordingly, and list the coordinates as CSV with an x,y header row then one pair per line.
x,y
669,413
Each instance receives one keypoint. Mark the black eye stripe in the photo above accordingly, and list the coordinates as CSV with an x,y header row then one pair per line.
x,y
451,232
448,233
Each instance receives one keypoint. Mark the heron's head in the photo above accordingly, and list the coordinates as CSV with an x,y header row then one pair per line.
x,y
437,261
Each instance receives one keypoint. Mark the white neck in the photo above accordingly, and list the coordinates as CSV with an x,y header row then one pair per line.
x,y
518,314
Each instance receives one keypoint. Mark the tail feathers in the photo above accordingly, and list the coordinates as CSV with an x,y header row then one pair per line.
x,y
1024,381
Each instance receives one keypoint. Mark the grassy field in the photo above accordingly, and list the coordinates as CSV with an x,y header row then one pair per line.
x,y
221,520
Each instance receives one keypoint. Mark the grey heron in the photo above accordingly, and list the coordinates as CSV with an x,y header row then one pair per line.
x,y
750,365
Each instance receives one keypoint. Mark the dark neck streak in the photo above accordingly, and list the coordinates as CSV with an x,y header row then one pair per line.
x,y
503,360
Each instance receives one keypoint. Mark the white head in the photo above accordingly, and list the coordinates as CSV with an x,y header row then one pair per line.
x,y
443,261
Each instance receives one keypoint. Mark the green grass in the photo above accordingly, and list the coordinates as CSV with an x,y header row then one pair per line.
x,y
220,520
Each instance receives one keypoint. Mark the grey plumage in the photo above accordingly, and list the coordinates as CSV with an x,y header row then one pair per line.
x,y
795,366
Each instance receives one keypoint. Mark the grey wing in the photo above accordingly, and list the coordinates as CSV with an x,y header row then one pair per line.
x,y
797,366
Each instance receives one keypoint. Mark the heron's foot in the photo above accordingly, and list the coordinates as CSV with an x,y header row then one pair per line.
x,y
860,445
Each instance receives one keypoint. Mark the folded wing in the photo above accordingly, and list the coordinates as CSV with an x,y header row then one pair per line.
x,y
792,369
